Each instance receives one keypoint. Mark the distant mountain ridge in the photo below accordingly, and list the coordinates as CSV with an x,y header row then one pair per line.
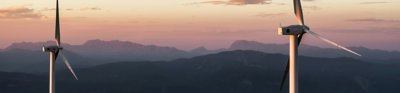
x,y
28,56
254,45
121,49
240,71
111,50
312,51
18,57
124,50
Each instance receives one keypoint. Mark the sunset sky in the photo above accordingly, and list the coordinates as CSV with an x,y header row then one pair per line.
x,y
187,24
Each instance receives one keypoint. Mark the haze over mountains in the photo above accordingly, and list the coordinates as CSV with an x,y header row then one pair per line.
x,y
126,67
226,72
18,57
313,51
121,50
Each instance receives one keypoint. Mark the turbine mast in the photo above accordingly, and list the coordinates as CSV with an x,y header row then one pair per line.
x,y
293,77
52,80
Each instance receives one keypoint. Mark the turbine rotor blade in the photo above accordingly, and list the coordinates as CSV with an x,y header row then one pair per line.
x,y
57,34
298,11
285,75
56,54
331,42
68,65
288,63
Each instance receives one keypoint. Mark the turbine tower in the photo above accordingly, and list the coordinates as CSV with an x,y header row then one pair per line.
x,y
296,33
54,51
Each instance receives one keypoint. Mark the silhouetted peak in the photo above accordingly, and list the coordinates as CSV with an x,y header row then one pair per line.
x,y
30,45
237,54
199,49
251,45
364,48
98,42
241,52
244,43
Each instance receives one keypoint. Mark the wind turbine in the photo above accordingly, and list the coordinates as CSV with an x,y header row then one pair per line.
x,y
54,51
296,33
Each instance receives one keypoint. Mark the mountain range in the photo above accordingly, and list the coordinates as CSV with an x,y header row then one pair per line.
x,y
313,51
240,71
19,57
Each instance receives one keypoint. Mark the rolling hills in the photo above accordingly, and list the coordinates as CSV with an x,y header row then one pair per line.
x,y
226,72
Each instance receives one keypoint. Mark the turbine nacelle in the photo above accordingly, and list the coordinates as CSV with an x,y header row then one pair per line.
x,y
51,48
292,30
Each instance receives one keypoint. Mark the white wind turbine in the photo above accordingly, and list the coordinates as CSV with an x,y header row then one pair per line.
x,y
296,33
54,51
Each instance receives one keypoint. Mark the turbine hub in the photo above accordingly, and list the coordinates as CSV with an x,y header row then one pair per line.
x,y
292,30
51,48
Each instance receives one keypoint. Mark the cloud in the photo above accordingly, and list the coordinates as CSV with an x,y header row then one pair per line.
x,y
270,14
236,2
292,2
280,3
373,2
313,7
90,9
19,13
48,9
54,9
214,2
374,20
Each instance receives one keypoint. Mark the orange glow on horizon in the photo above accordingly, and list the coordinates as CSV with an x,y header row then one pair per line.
x,y
180,23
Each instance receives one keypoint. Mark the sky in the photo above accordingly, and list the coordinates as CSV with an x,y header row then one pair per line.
x,y
188,24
